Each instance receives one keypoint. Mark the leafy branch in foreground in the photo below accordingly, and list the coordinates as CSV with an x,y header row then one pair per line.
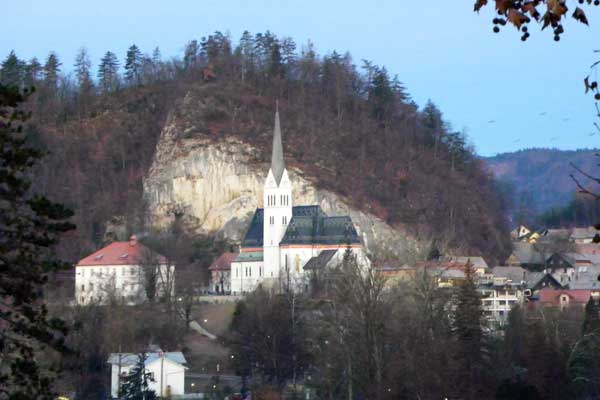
x,y
547,13
30,226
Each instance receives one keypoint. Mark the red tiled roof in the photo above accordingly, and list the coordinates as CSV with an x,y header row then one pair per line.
x,y
588,248
223,263
575,296
120,253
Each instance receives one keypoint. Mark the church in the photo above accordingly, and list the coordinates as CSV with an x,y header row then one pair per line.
x,y
285,243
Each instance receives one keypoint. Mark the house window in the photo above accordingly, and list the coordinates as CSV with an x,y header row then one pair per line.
x,y
271,220
83,288
260,272
91,287
284,220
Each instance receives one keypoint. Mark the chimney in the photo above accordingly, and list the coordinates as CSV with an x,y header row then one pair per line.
x,y
133,241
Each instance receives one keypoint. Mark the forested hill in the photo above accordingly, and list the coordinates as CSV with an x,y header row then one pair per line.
x,y
352,129
540,178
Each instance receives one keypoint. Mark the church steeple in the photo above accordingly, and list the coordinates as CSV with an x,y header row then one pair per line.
x,y
277,162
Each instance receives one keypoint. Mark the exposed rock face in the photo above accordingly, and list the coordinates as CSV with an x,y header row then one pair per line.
x,y
216,186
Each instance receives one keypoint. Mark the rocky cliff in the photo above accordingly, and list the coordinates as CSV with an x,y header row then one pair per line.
x,y
215,186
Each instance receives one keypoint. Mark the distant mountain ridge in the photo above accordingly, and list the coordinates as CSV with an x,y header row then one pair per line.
x,y
539,177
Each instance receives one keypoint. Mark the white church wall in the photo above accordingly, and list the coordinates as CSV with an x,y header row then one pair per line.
x,y
246,276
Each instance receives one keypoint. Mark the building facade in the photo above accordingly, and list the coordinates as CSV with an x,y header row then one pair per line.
x,y
119,271
283,239
167,370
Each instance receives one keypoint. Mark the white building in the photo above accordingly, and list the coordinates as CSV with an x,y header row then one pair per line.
x,y
166,368
504,289
282,239
119,270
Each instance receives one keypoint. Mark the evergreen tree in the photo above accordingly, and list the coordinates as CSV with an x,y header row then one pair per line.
x,y
246,49
83,66
591,322
135,385
108,72
469,335
12,70
30,226
51,70
33,72
190,57
133,65
584,366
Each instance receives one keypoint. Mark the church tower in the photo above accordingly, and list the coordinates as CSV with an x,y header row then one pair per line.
x,y
277,200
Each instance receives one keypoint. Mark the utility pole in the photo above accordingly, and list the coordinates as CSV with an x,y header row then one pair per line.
x,y
162,361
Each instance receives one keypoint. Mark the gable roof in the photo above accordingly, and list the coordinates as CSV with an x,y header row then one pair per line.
x,y
525,253
553,295
320,261
534,279
320,229
583,233
513,274
128,359
254,234
131,252
223,263
587,277
477,262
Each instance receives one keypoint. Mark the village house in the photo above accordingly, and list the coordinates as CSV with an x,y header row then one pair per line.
x,y
502,292
220,273
284,243
119,271
525,255
167,369
564,298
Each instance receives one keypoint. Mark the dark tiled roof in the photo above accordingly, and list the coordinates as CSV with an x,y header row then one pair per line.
x,y
320,261
254,235
319,229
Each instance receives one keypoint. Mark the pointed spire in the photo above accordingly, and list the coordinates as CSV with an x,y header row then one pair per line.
x,y
277,163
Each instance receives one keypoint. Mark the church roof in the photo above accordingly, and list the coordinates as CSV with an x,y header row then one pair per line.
x,y
320,261
277,162
254,234
320,229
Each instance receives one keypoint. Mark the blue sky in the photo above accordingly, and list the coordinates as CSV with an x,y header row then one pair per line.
x,y
440,49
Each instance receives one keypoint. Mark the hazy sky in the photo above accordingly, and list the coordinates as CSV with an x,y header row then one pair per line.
x,y
440,49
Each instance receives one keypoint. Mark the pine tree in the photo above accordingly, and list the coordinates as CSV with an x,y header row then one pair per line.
x,y
190,57
469,335
135,385
83,66
133,65
12,70
30,226
51,70
33,73
108,72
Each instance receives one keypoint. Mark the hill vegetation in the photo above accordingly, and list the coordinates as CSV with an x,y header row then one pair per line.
x,y
354,130
536,181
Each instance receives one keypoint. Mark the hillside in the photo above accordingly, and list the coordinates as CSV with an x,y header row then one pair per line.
x,y
352,132
539,178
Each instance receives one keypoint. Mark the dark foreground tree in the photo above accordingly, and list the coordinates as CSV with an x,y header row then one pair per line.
x,y
470,337
135,385
29,226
